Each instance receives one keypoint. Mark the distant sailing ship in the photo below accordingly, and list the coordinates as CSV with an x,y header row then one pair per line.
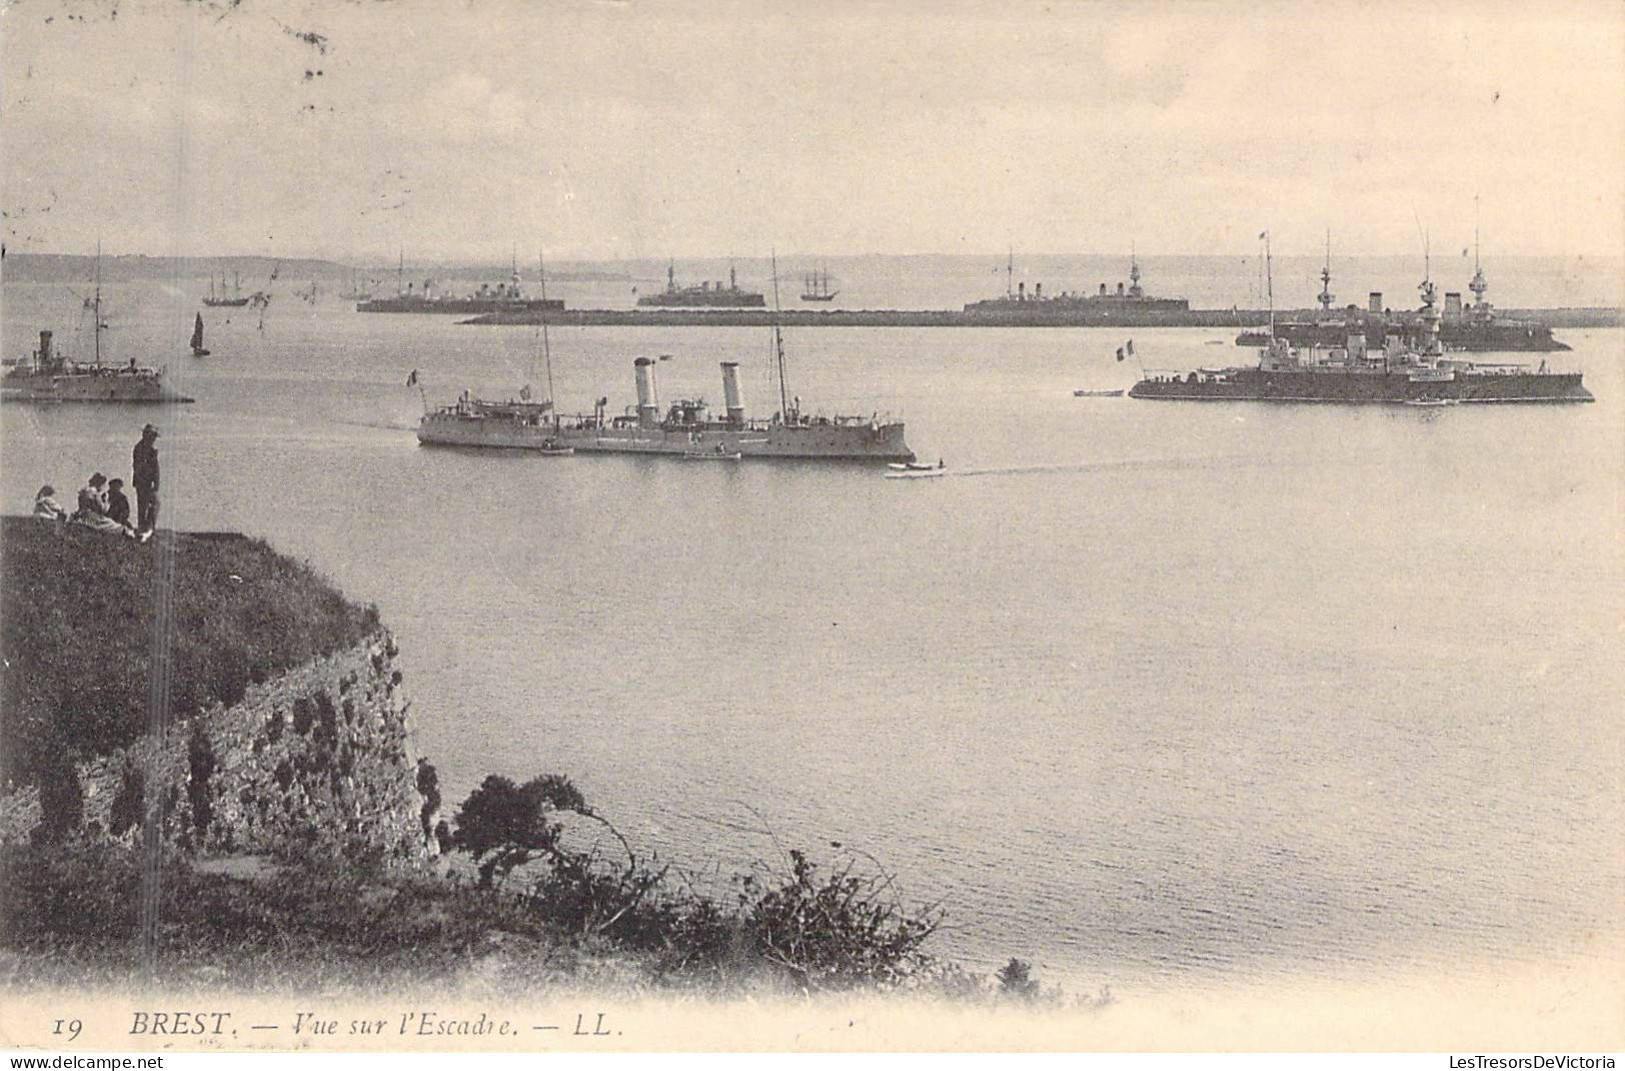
x,y
815,287
219,300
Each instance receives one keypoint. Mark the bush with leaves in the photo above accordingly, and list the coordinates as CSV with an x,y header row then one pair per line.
x,y
503,825
842,930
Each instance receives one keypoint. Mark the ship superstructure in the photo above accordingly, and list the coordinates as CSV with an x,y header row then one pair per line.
x,y
488,298
1128,306
1398,371
1474,328
706,295
689,427
47,376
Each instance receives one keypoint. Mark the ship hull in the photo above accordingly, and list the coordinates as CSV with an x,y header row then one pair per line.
x,y
836,442
812,441
712,299
107,387
807,442
1358,388
490,434
1495,337
461,306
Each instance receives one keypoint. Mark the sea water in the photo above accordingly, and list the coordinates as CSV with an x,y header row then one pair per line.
x,y
1150,694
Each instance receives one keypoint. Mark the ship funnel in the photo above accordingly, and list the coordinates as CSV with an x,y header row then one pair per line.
x,y
1356,346
1452,305
1021,291
1038,291
45,347
648,403
1376,301
730,392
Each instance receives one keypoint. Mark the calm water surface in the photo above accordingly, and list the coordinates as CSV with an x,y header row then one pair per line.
x,y
1152,694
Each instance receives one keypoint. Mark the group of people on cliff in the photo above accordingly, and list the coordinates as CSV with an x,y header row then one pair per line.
x,y
102,504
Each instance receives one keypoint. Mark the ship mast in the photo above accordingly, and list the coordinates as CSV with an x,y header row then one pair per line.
x,y
96,323
1326,277
1010,274
778,343
1478,285
547,356
1269,277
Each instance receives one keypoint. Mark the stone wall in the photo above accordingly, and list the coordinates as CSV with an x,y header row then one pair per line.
x,y
316,761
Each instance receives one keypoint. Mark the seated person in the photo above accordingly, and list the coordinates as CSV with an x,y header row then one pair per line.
x,y
47,507
118,507
92,498
93,509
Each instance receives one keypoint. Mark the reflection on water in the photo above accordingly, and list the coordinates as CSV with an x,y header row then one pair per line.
x,y
1152,694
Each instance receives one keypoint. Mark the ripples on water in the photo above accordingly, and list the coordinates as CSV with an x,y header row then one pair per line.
x,y
1151,694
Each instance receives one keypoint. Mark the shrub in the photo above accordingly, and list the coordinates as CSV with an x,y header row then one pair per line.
x,y
126,810
837,931
1016,980
201,764
428,784
61,797
503,825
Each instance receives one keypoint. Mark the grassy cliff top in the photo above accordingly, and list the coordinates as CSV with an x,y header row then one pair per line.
x,y
77,625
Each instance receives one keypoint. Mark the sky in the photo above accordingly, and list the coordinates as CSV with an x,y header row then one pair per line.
x,y
349,129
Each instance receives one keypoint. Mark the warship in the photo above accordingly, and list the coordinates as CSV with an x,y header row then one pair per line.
x,y
703,296
1474,328
1395,373
689,429
487,299
510,425
500,298
1126,307
520,424
46,376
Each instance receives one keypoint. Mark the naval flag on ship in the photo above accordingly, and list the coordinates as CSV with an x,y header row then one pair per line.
x,y
524,393
412,380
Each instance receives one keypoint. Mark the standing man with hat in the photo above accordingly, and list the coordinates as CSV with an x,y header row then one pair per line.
x,y
145,461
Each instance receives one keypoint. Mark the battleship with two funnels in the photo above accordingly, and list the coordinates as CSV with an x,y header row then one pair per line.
x,y
1132,307
704,296
1395,373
